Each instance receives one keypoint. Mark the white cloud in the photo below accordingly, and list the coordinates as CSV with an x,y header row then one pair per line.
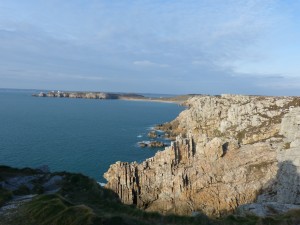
x,y
82,77
147,63
291,84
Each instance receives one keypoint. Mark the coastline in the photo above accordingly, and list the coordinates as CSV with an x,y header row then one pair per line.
x,y
185,167
152,100
177,99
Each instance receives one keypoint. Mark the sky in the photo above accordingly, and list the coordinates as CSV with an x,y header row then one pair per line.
x,y
151,46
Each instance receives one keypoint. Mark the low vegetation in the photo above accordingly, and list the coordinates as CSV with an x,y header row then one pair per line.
x,y
81,201
5,195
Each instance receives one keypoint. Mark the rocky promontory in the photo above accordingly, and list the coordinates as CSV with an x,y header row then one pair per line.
x,y
89,95
231,153
179,99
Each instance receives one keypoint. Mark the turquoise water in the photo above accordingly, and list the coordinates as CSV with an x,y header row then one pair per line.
x,y
77,135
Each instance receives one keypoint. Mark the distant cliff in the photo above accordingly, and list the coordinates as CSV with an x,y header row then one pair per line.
x,y
90,95
180,99
230,151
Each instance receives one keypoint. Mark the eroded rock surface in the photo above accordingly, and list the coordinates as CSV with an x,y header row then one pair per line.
x,y
230,151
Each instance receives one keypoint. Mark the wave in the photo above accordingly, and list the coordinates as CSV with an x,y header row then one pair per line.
x,y
101,184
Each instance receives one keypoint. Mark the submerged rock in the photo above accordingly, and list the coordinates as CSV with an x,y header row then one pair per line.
x,y
143,144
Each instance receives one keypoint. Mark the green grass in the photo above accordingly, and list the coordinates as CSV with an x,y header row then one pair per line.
x,y
250,220
55,210
6,171
290,218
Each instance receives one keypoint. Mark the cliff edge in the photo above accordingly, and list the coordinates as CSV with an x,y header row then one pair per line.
x,y
231,151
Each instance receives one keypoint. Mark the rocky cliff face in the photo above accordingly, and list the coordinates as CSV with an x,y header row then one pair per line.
x,y
230,151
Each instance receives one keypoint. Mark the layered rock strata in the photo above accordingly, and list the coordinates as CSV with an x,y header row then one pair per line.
x,y
230,150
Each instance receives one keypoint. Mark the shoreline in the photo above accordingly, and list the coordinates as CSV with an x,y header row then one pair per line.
x,y
151,100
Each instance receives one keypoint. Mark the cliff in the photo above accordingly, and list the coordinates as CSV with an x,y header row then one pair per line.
x,y
39,197
230,151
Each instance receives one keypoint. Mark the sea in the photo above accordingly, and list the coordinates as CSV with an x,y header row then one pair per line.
x,y
76,135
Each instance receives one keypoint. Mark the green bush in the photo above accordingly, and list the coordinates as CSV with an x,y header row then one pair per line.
x,y
5,195
22,190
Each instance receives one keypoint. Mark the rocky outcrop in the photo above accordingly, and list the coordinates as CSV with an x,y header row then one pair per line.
x,y
152,134
29,181
152,144
230,151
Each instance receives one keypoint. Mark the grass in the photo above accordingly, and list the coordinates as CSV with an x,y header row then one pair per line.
x,y
55,210
6,171
290,218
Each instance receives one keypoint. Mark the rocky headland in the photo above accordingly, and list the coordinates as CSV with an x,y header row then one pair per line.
x,y
88,95
108,95
231,153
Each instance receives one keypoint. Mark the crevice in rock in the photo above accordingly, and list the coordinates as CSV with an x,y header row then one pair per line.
x,y
224,149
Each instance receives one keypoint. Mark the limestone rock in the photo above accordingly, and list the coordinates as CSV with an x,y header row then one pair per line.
x,y
230,150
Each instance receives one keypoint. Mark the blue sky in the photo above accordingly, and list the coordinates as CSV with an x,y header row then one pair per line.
x,y
152,46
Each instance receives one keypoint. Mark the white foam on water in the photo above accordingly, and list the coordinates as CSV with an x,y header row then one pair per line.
x,y
101,184
160,131
151,128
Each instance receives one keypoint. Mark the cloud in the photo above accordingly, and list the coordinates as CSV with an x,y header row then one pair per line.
x,y
82,77
292,84
147,63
